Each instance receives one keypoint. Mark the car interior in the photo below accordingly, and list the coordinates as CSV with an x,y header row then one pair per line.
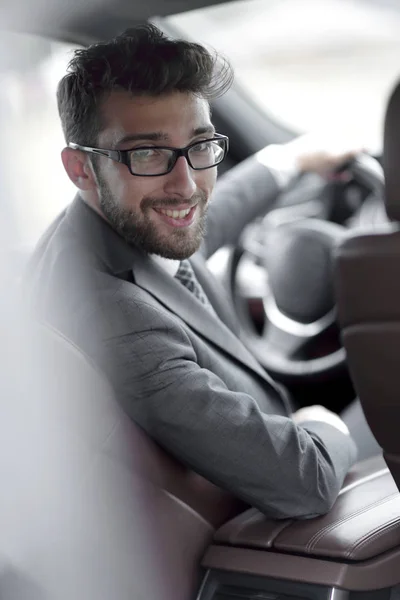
x,y
91,507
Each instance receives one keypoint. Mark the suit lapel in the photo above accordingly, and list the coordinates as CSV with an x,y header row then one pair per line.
x,y
179,300
216,293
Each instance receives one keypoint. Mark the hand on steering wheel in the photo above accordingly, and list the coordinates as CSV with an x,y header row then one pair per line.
x,y
300,339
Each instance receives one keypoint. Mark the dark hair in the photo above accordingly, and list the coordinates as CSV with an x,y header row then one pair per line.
x,y
142,61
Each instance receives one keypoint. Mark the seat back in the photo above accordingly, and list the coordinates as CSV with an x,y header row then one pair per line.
x,y
90,506
368,294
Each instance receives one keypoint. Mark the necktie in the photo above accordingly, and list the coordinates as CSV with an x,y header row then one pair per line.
x,y
187,277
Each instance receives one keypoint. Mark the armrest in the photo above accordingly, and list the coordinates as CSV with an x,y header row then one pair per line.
x,y
363,523
355,547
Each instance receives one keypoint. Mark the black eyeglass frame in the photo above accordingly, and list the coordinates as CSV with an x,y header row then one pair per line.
x,y
123,156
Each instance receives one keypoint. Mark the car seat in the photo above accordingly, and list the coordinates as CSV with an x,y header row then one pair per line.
x,y
368,295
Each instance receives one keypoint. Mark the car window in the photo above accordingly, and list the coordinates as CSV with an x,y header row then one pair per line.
x,y
38,187
312,65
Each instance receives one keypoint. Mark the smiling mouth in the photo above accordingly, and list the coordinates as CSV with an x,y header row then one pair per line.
x,y
182,217
175,214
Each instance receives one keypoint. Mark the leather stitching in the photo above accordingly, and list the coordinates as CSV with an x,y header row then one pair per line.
x,y
372,535
315,538
328,528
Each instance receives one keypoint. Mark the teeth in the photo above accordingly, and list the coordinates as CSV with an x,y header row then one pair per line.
x,y
176,214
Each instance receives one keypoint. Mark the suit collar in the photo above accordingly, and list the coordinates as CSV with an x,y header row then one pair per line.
x,y
121,257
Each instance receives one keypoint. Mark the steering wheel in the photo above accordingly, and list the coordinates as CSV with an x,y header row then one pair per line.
x,y
300,338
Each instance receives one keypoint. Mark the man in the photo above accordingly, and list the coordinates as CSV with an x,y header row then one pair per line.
x,y
113,272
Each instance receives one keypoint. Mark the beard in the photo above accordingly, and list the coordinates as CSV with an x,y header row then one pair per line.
x,y
137,228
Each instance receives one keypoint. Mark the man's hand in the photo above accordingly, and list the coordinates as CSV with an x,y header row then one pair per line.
x,y
321,154
312,153
319,413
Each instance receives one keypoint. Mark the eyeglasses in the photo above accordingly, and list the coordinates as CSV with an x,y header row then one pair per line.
x,y
152,161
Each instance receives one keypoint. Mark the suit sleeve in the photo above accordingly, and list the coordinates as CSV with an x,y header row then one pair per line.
x,y
242,194
266,460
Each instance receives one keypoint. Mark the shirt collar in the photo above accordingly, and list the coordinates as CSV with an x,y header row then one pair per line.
x,y
167,264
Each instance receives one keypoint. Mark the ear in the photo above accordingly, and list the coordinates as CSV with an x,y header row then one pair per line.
x,y
78,168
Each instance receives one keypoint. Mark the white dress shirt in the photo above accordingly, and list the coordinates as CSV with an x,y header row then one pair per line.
x,y
167,264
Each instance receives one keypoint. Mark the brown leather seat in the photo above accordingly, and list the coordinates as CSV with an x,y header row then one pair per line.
x,y
368,290
90,507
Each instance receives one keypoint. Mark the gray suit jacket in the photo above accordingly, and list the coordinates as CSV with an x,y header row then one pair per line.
x,y
182,373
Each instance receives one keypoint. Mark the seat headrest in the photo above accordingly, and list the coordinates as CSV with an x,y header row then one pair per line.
x,y
391,155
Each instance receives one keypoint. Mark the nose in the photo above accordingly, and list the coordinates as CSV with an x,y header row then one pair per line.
x,y
180,180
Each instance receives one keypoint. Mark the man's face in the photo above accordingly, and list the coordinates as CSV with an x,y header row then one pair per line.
x,y
136,206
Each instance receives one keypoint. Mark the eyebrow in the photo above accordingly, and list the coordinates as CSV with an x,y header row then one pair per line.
x,y
159,136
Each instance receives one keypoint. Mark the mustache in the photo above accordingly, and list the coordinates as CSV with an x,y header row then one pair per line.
x,y
171,202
